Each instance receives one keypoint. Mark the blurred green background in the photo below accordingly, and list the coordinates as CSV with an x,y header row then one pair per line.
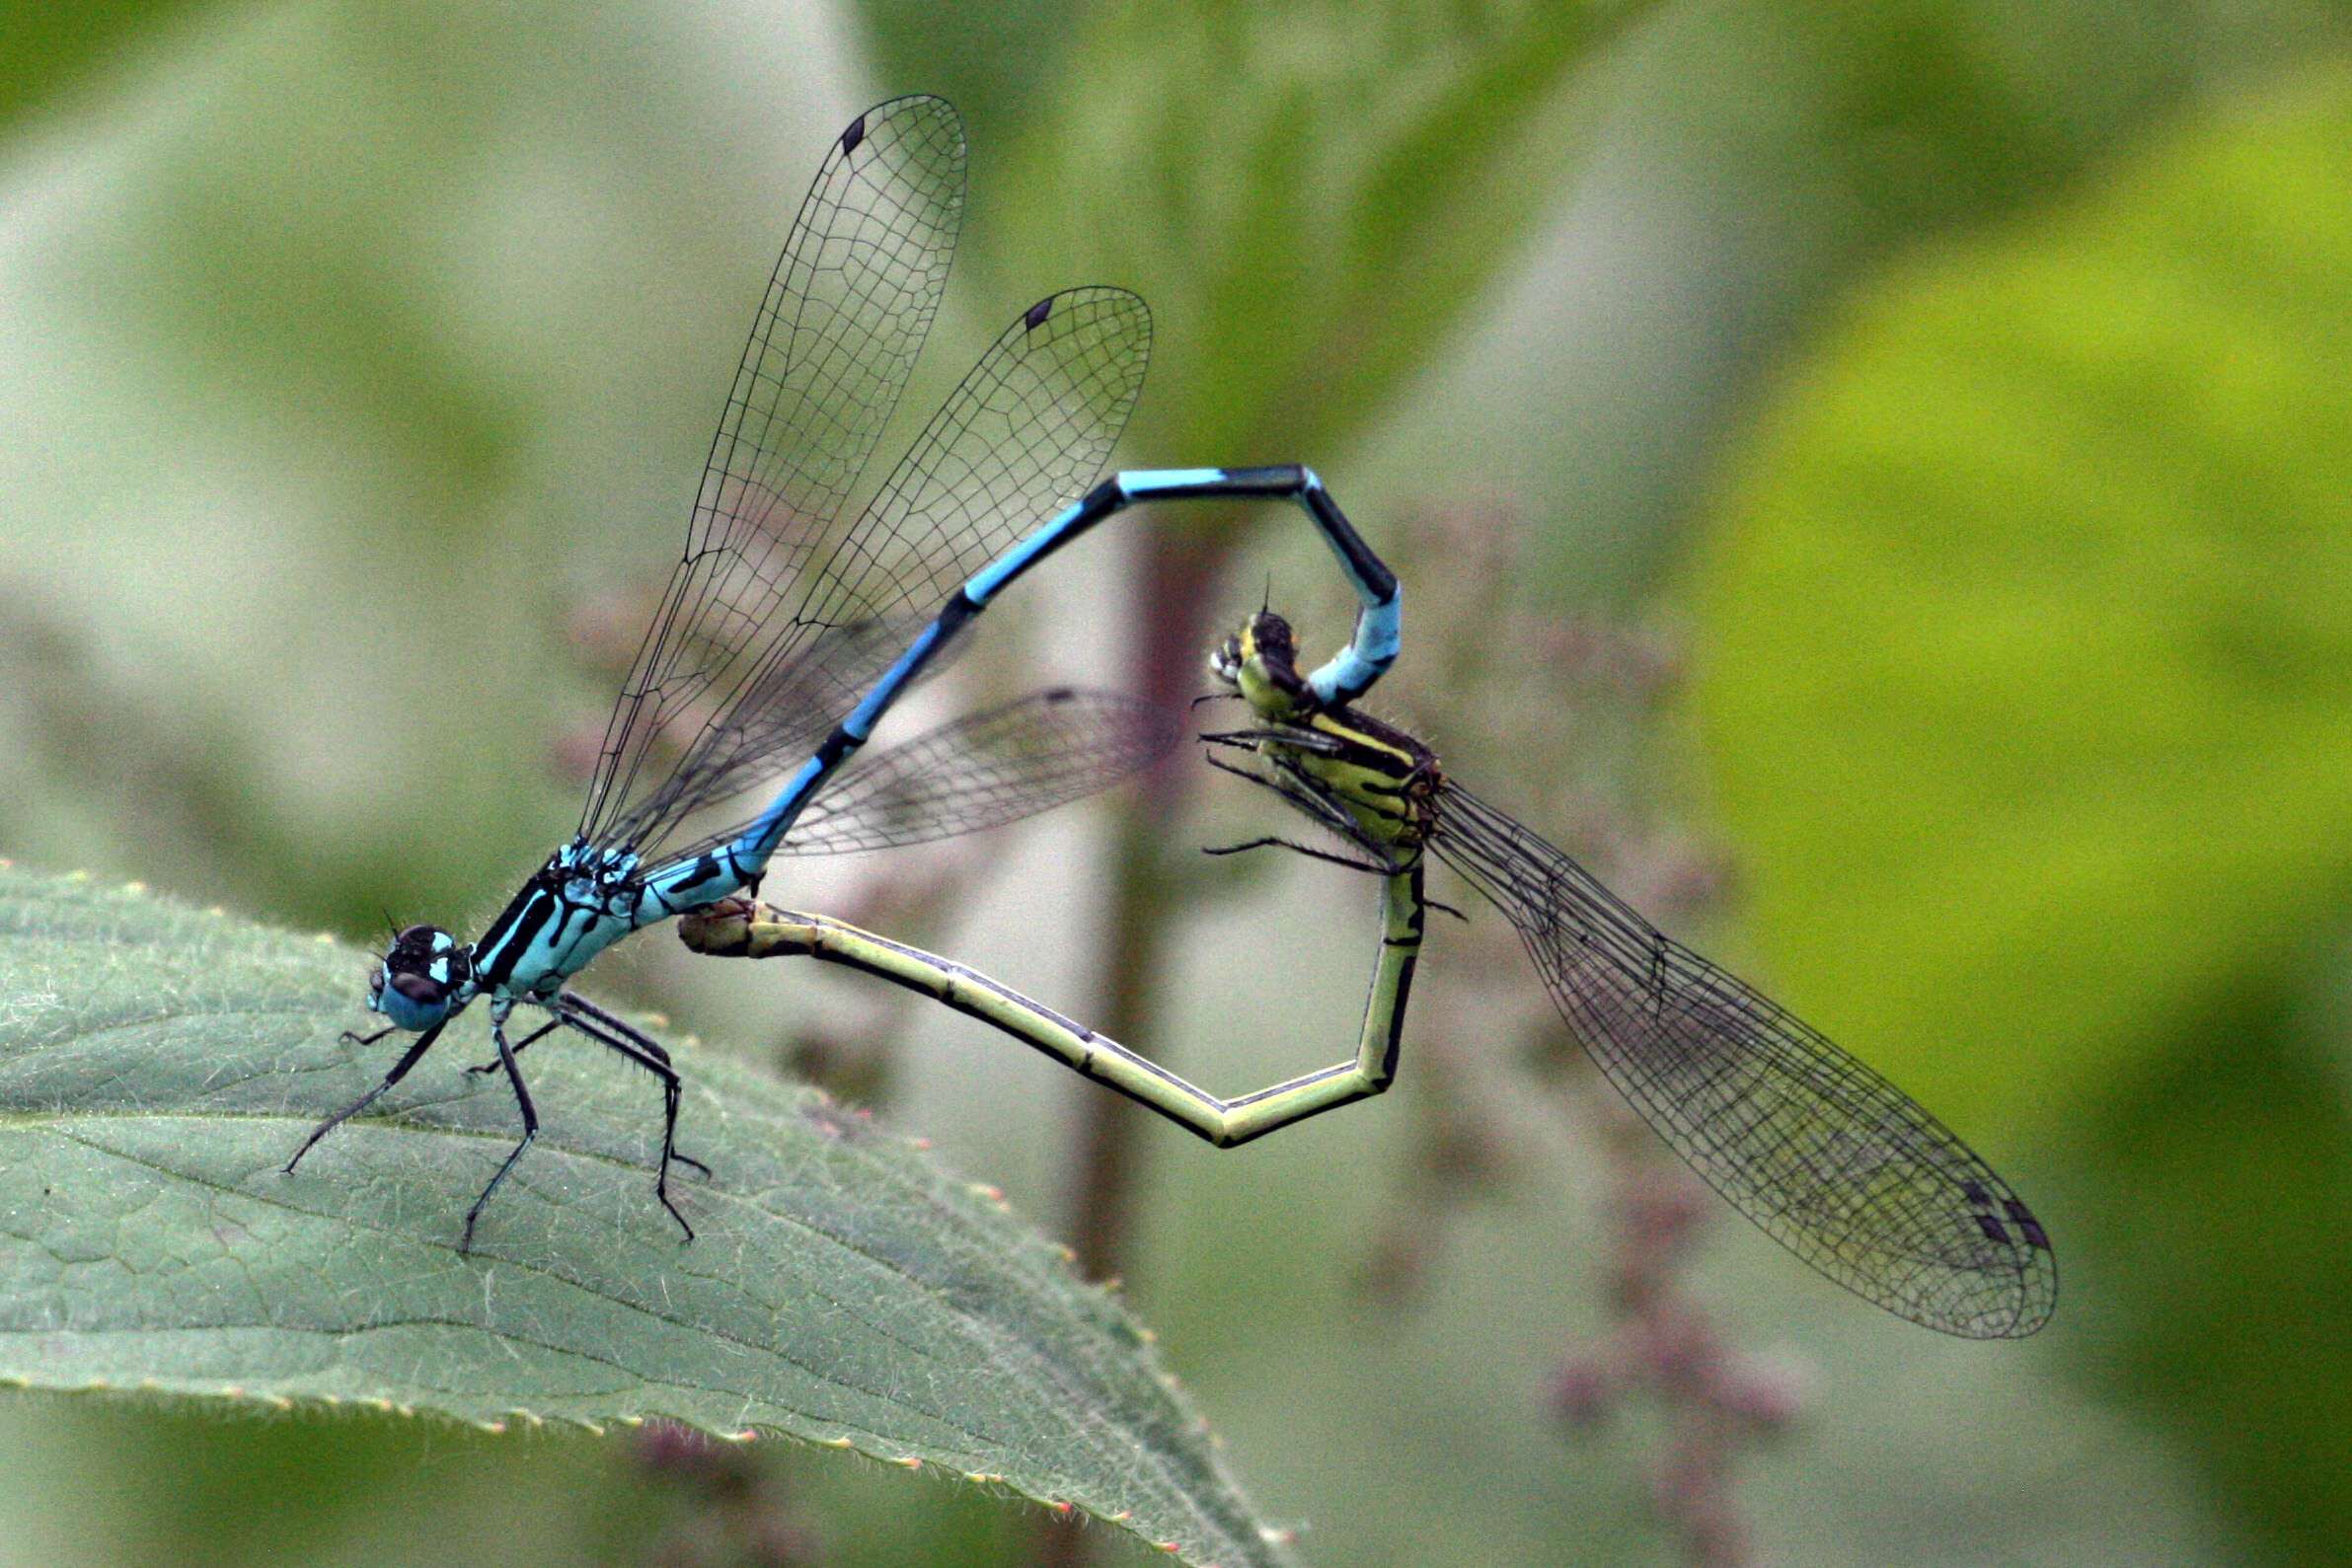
x,y
1871,477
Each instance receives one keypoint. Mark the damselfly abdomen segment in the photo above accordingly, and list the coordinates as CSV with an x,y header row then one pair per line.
x,y
1369,759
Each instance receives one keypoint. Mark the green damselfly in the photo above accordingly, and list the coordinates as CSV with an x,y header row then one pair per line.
x,y
1822,1152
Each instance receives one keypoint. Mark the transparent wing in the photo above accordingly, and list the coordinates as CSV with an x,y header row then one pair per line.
x,y
983,770
1024,436
794,704
1019,440
852,299
1834,1163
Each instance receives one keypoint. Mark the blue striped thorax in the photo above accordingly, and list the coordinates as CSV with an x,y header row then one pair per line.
x,y
573,907
583,901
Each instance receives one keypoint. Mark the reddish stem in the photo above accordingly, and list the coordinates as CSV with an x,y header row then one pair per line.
x,y
1180,568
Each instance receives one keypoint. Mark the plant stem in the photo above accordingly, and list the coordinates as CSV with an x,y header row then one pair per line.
x,y
1180,568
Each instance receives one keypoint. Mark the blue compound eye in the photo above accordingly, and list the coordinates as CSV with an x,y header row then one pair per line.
x,y
421,978
421,990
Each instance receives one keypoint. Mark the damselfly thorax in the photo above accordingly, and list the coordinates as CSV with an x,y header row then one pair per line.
x,y
1382,780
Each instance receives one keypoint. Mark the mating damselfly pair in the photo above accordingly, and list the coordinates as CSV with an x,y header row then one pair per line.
x,y
792,624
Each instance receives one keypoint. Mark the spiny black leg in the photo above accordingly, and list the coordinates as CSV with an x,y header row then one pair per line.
x,y
669,1152
491,1066
618,1035
400,1070
1308,795
1238,772
1288,735
1371,867
354,1037
1300,790
522,1100
570,1006
648,1053
1246,847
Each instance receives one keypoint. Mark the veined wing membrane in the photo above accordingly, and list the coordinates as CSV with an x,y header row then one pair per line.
x,y
1831,1160
986,770
1019,441
853,297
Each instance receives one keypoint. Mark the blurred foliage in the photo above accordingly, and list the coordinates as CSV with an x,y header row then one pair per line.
x,y
1752,158
49,50
1309,192
994,62
163,1062
2077,490
353,346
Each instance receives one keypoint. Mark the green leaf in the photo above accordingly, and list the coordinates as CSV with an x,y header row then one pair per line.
x,y
2029,632
159,1065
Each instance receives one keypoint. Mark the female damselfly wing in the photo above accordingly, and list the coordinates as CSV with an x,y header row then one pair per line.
x,y
1821,1152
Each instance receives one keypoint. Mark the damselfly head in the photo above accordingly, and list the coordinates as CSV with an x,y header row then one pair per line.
x,y
428,975
1261,661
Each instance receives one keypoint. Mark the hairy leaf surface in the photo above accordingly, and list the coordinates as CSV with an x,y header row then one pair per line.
x,y
159,1065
